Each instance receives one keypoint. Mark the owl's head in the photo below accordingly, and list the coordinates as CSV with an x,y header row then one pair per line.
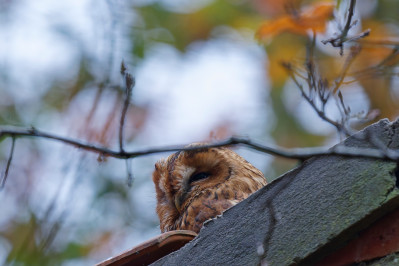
x,y
200,184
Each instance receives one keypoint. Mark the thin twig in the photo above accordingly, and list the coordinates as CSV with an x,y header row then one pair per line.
x,y
343,36
377,42
318,87
319,112
384,63
348,62
348,24
129,84
130,177
4,179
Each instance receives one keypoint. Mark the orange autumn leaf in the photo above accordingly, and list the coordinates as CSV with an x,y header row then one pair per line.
x,y
283,48
314,18
373,65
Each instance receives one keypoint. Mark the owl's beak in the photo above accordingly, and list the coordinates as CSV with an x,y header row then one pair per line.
x,y
179,201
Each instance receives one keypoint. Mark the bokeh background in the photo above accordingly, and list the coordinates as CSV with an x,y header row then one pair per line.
x,y
200,75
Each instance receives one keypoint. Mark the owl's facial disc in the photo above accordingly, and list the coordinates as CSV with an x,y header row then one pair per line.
x,y
194,172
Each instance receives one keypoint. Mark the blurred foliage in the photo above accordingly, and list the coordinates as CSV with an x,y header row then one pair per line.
x,y
31,244
157,24
288,38
32,238
61,94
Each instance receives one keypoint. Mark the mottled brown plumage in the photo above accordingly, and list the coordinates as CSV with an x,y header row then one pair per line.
x,y
194,186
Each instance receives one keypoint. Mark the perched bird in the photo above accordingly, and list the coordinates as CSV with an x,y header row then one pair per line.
x,y
196,185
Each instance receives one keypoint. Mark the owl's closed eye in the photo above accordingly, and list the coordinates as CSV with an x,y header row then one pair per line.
x,y
194,186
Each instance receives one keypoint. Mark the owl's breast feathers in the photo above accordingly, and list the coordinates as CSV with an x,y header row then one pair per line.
x,y
207,205
198,185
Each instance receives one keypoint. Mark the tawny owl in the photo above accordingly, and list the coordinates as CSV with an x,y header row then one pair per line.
x,y
194,186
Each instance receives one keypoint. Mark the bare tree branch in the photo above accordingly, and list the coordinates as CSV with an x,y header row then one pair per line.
x,y
348,62
129,172
318,92
378,69
320,111
377,42
298,154
348,24
343,36
4,179
129,84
